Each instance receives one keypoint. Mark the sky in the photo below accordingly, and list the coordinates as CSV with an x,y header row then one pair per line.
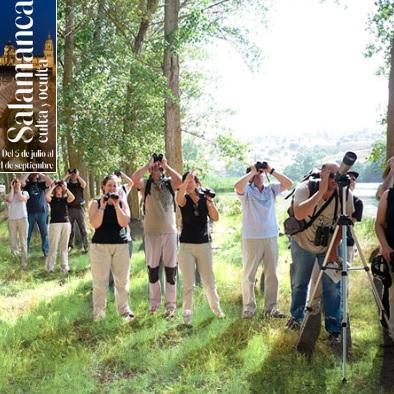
x,y
44,19
313,78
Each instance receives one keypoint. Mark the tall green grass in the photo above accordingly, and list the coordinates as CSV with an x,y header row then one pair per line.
x,y
49,344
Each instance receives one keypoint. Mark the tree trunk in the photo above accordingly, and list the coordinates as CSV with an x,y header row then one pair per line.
x,y
98,186
92,184
172,115
390,108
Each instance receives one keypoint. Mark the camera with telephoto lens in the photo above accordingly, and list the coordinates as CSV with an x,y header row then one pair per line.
x,y
72,170
208,192
157,157
322,236
113,196
261,165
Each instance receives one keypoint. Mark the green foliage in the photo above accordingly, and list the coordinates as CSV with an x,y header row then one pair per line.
x,y
381,25
231,151
378,153
303,163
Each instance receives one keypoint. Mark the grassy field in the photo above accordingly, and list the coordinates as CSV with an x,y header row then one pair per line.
x,y
49,344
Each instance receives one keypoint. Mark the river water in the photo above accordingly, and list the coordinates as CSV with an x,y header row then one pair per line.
x,y
366,192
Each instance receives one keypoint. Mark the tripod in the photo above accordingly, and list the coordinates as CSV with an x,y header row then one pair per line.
x,y
343,223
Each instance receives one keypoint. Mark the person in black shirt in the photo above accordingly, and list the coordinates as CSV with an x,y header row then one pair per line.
x,y
35,184
58,196
195,244
109,217
76,210
384,228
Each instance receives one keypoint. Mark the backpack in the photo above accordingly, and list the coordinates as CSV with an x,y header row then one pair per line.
x,y
167,183
291,224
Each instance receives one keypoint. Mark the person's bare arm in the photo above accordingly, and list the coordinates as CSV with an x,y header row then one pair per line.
x,y
122,213
305,208
138,176
22,196
380,227
96,214
81,181
212,210
241,184
47,179
181,195
284,181
10,196
48,194
129,183
70,196
24,178
176,178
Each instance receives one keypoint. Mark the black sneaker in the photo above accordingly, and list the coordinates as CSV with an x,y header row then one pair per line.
x,y
275,313
293,324
335,341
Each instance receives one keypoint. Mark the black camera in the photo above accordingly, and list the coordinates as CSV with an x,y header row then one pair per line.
x,y
157,157
113,196
261,165
117,173
59,183
72,170
322,236
208,192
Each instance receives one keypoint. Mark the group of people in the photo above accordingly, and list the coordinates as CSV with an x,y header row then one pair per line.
x,y
315,204
34,199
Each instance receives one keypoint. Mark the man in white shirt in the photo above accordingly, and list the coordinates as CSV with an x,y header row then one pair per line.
x,y
260,236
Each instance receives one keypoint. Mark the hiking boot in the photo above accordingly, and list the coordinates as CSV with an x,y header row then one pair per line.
x,y
153,309
169,313
275,313
293,324
247,314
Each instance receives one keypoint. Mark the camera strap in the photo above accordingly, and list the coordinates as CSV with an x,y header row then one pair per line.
x,y
322,208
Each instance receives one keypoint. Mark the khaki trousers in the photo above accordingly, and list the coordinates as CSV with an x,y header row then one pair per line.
x,y
161,247
198,255
18,229
253,252
103,259
59,234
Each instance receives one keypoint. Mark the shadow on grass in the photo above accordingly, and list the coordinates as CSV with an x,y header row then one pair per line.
x,y
286,371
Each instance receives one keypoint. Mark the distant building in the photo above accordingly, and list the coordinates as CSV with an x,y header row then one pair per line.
x,y
9,58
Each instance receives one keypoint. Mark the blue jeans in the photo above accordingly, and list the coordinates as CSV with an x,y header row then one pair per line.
x,y
41,220
301,270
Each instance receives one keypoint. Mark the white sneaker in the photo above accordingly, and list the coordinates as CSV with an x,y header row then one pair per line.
x,y
187,316
219,314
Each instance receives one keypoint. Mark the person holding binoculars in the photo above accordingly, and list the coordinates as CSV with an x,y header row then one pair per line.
x,y
160,232
109,251
17,221
195,243
58,197
76,210
260,236
35,183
